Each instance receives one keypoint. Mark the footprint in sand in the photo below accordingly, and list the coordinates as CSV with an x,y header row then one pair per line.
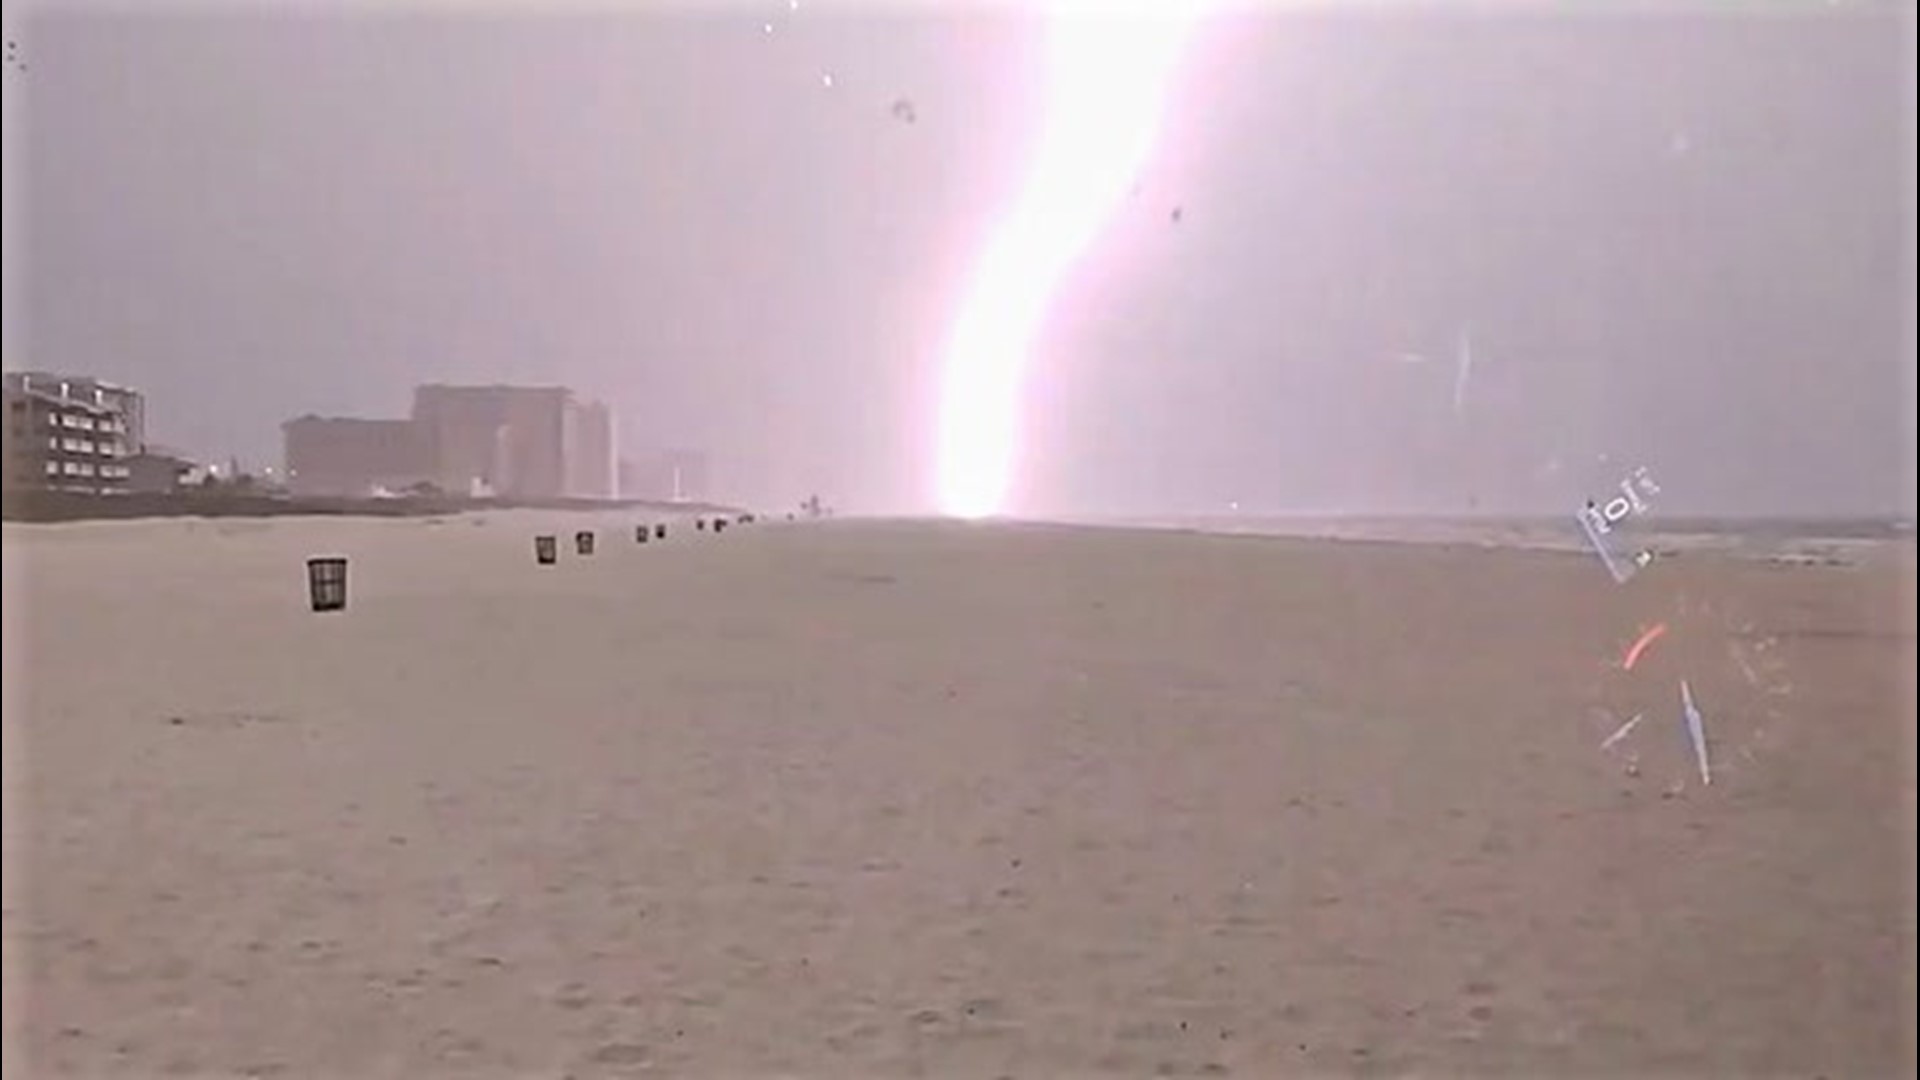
x,y
620,1054
1478,991
983,1010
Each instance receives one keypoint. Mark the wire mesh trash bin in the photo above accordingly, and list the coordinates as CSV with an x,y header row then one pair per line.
x,y
583,542
546,550
700,524
659,532
327,583
719,524
640,534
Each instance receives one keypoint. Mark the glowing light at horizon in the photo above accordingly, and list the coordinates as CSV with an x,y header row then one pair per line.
x,y
1107,78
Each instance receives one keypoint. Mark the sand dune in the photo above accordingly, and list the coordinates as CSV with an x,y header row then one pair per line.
x,y
855,799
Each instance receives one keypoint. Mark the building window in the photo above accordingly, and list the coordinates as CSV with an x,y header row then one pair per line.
x,y
85,469
53,442
53,468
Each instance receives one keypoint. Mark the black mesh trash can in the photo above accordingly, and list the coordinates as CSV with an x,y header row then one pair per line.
x,y
719,524
640,534
546,550
659,532
700,524
583,542
327,583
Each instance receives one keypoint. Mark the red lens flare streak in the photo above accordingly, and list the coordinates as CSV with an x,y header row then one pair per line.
x,y
1640,646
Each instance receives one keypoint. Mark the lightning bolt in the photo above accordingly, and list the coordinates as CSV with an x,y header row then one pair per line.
x,y
1108,74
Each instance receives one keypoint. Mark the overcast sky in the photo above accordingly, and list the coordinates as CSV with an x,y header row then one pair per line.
x,y
1675,240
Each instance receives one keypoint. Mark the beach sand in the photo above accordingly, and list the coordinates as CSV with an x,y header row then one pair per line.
x,y
859,799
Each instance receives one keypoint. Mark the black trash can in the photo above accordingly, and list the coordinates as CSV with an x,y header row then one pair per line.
x,y
546,550
583,542
640,534
719,524
327,583
700,524
659,532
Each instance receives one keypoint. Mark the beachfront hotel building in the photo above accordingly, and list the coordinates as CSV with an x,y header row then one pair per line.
x,y
347,456
514,442
70,433
509,441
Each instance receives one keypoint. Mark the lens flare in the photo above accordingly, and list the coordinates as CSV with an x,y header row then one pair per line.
x,y
1107,79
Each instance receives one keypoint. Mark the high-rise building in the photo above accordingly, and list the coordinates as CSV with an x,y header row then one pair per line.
x,y
593,470
69,433
507,440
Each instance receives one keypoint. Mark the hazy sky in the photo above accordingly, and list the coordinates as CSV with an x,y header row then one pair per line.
x,y
1681,241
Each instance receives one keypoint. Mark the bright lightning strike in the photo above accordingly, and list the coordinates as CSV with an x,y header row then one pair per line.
x,y
1107,82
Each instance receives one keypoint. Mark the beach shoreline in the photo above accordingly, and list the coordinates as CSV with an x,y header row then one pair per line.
x,y
52,507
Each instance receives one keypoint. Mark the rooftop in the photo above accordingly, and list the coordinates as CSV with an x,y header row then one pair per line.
x,y
33,379
51,398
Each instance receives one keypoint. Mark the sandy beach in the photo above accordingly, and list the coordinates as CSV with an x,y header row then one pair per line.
x,y
865,799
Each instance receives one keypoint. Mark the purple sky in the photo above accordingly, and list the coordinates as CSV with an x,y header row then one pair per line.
x,y
1678,240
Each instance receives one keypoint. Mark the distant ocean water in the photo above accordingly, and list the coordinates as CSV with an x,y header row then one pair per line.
x,y
1811,541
